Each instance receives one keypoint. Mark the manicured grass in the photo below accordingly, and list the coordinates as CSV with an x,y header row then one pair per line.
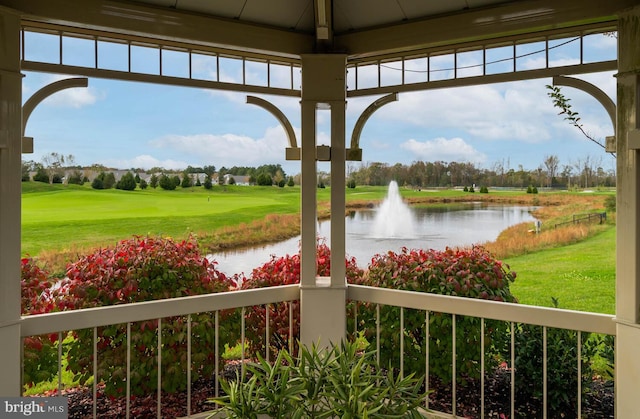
x,y
65,216
580,276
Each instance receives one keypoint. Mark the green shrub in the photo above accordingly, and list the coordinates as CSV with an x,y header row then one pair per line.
x,y
610,203
472,273
338,382
144,269
264,179
484,189
167,183
284,271
127,182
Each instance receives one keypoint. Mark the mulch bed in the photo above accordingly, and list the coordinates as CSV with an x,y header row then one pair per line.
x,y
598,403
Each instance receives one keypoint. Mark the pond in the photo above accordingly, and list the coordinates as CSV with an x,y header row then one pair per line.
x,y
376,231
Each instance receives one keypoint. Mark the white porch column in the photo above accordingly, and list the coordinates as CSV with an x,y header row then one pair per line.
x,y
10,162
323,303
628,210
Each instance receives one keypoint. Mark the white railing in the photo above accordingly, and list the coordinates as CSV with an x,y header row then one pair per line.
x,y
63,322
547,318
93,318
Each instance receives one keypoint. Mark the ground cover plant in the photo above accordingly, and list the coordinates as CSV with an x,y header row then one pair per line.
x,y
341,381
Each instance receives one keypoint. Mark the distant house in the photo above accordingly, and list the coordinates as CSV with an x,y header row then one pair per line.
x,y
238,180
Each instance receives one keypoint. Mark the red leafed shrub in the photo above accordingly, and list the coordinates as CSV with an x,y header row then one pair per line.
x,y
284,271
144,269
471,272
40,352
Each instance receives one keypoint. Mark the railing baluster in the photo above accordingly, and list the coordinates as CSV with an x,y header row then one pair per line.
x,y
216,354
159,397
378,333
290,327
482,367
513,371
401,342
544,372
426,360
579,343
267,345
59,363
355,319
189,365
95,372
128,390
453,363
242,342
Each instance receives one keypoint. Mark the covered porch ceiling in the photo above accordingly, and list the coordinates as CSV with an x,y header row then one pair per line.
x,y
361,29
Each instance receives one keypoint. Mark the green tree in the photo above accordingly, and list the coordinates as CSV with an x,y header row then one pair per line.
x,y
97,183
41,175
153,181
166,183
127,182
264,179
186,182
75,178
109,180
207,182
290,183
175,179
143,184
53,164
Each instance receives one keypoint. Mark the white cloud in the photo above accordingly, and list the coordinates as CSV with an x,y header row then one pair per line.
x,y
454,149
497,112
146,161
228,149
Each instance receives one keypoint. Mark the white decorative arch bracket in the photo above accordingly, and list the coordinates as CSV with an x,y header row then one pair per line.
x,y
323,152
38,97
600,96
354,152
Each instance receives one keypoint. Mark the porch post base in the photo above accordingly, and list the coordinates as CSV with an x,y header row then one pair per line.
x,y
628,376
323,320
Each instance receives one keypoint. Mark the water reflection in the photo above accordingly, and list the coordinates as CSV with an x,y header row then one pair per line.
x,y
435,228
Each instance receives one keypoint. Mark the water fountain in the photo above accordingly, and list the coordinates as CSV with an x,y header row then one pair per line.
x,y
394,218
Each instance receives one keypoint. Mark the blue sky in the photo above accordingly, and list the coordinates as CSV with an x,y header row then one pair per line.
x,y
126,124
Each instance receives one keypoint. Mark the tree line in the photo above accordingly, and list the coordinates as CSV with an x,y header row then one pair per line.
x,y
58,168
586,172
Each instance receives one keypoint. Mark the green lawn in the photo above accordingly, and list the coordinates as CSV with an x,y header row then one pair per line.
x,y
57,216
581,276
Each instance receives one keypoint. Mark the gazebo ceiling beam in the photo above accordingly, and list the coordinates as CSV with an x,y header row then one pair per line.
x,y
477,25
168,24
